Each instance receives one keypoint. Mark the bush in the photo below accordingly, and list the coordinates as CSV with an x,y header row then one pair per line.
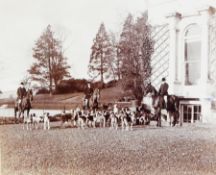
x,y
43,91
71,86
98,85
111,83
80,85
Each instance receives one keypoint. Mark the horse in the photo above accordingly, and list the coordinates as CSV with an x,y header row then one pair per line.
x,y
95,99
22,105
155,105
172,109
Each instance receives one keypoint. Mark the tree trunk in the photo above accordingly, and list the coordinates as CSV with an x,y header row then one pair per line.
x,y
101,70
50,76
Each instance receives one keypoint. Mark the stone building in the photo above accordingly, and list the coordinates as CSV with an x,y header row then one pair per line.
x,y
185,53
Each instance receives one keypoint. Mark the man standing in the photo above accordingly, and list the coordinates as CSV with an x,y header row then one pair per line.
x,y
163,91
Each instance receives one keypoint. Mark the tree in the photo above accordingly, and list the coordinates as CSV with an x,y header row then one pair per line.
x,y
101,52
115,61
136,48
50,64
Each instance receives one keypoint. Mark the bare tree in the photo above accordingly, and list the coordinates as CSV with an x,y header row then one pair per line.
x,y
50,64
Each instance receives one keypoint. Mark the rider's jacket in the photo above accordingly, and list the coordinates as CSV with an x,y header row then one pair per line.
x,y
88,93
21,92
163,89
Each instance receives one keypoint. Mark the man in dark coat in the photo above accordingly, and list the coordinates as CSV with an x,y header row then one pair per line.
x,y
163,91
21,92
88,94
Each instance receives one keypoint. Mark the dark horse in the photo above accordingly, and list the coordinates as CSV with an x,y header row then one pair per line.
x,y
22,105
158,107
168,109
173,109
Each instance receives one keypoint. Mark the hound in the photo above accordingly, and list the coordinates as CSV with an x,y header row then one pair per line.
x,y
81,119
27,121
90,119
127,119
66,117
114,118
46,121
35,120
99,118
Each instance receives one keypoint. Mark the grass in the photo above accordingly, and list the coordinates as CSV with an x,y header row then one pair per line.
x,y
68,101
71,151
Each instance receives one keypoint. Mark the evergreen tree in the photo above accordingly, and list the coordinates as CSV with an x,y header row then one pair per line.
x,y
115,61
50,64
101,52
136,48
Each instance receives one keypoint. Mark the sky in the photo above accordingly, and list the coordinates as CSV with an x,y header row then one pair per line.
x,y
76,22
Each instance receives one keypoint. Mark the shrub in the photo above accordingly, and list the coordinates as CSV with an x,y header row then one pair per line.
x,y
71,86
43,91
111,83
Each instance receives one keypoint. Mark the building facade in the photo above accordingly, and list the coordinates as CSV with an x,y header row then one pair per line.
x,y
185,53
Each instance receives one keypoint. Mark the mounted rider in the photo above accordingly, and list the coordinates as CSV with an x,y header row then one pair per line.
x,y
21,92
163,91
88,94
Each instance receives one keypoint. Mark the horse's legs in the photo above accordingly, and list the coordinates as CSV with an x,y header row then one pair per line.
x,y
175,118
116,123
169,118
146,119
104,122
28,110
158,114
15,114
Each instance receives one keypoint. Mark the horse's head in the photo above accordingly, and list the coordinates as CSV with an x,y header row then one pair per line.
x,y
30,95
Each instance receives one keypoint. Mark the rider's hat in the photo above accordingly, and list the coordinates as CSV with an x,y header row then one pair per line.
x,y
163,79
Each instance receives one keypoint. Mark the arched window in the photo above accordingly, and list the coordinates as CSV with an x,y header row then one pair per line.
x,y
192,55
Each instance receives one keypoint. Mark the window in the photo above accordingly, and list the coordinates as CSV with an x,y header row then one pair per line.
x,y
191,113
192,54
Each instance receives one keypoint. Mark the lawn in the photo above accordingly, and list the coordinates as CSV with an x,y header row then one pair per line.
x,y
70,100
190,149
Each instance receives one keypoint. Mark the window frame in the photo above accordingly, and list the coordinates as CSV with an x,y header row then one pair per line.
x,y
190,39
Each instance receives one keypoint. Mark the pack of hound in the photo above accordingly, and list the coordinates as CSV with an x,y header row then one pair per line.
x,y
124,118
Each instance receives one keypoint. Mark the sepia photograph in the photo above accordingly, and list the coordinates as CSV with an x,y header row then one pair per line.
x,y
108,87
